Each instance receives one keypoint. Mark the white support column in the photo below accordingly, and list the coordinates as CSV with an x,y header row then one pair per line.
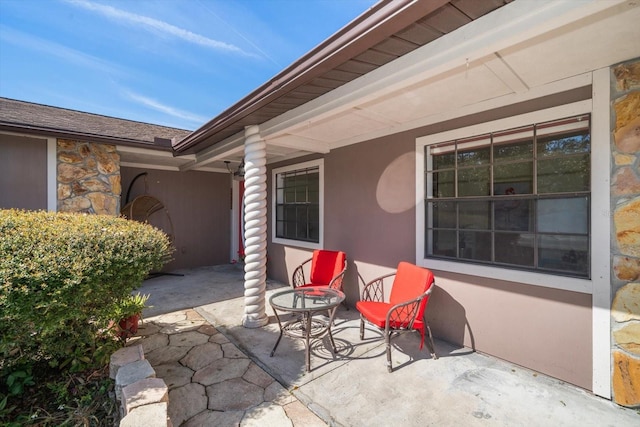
x,y
255,229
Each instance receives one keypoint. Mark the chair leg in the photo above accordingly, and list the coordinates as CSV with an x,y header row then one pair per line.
x,y
334,350
361,328
279,336
387,341
432,347
276,346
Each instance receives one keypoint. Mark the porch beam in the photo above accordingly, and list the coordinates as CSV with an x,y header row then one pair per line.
x,y
300,143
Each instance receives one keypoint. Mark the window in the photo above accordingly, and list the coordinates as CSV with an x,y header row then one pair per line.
x,y
298,203
517,198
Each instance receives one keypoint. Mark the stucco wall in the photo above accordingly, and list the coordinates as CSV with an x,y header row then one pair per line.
x,y
198,204
543,329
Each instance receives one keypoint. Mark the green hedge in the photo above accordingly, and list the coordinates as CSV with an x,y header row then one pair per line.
x,y
62,276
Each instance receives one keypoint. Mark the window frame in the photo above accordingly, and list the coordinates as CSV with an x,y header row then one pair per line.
x,y
319,163
546,279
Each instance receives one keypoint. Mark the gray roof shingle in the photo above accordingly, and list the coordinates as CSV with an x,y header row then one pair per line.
x,y
27,117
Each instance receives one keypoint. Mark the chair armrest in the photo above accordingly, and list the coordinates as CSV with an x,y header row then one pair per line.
x,y
374,290
298,278
405,312
336,282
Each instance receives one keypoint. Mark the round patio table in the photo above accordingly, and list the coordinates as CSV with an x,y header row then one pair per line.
x,y
304,302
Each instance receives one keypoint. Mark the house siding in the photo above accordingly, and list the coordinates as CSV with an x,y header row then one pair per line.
x,y
23,172
199,207
88,180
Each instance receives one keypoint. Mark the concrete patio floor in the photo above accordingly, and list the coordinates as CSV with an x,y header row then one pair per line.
x,y
353,388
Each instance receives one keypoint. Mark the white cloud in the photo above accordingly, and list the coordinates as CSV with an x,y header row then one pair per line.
x,y
238,33
155,24
158,106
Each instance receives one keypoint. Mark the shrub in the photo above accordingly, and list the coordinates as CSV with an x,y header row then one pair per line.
x,y
62,276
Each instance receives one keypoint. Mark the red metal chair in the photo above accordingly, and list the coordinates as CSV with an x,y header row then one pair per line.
x,y
327,268
404,311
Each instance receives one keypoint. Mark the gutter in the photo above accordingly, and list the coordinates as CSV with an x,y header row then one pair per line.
x,y
372,27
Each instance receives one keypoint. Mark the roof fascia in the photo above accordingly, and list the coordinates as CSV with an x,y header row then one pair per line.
x,y
138,149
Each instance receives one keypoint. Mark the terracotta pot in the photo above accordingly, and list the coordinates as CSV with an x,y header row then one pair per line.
x,y
129,326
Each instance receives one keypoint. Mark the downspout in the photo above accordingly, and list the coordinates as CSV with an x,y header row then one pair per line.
x,y
255,228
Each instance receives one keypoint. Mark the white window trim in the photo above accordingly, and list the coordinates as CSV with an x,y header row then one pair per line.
x,y
290,242
526,277
601,232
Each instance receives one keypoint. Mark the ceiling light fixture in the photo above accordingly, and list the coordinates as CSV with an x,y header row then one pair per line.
x,y
238,175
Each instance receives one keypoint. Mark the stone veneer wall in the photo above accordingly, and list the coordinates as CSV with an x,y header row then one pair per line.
x,y
88,177
625,204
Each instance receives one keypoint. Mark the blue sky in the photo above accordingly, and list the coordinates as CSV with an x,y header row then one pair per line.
x,y
176,63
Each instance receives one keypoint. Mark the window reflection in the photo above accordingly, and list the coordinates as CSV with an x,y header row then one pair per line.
x,y
518,197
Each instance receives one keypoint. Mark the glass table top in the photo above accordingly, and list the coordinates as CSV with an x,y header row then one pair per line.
x,y
306,298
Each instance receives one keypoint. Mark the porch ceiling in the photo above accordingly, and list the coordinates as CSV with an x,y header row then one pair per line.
x,y
457,72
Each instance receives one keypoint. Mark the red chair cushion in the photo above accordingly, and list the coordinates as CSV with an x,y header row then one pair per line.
x,y
376,313
326,265
410,282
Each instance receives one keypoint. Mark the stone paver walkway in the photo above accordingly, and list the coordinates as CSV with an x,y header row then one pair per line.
x,y
211,382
